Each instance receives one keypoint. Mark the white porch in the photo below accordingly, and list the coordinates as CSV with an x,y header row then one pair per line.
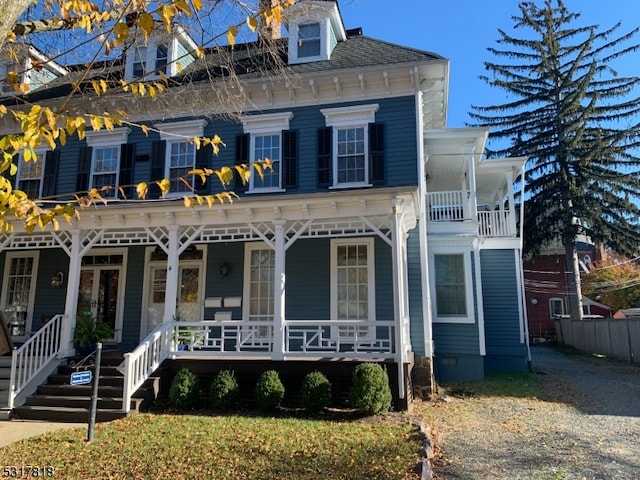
x,y
387,214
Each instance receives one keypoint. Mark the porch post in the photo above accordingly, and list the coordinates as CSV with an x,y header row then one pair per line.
x,y
512,208
398,292
71,301
171,287
279,293
473,197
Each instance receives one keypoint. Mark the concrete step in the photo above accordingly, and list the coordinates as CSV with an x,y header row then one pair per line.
x,y
65,414
111,403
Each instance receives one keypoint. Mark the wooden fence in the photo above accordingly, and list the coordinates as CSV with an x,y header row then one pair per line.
x,y
607,336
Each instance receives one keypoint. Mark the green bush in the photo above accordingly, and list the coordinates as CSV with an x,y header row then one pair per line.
x,y
269,390
316,392
223,391
370,392
185,389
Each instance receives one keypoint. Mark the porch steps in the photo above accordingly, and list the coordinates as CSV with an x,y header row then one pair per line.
x,y
5,374
59,401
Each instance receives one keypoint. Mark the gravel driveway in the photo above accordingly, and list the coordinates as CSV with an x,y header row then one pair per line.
x,y
587,427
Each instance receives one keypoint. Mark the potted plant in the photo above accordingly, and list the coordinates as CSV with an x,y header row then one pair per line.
x,y
88,332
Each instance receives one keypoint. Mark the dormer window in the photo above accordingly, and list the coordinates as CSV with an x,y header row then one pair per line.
x,y
309,40
315,28
163,54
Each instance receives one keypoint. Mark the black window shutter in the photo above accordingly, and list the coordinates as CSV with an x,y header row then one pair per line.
x,y
127,151
84,169
202,161
376,153
325,156
51,161
289,159
242,156
157,167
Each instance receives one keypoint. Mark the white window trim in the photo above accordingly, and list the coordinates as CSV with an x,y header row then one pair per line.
x,y
333,298
150,59
42,157
469,318
556,299
267,124
32,291
178,132
107,139
357,116
246,293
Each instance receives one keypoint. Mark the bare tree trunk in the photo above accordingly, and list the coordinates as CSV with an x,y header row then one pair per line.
x,y
10,10
572,267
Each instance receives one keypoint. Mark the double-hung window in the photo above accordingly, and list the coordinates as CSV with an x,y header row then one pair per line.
x,y
105,159
259,284
352,285
556,307
150,60
30,174
265,133
350,152
180,153
451,287
309,38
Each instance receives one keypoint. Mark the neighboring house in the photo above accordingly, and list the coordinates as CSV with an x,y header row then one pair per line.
x,y
380,235
545,280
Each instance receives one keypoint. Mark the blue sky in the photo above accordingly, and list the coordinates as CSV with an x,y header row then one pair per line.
x,y
461,30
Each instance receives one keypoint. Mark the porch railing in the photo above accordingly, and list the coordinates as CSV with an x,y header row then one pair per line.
x,y
34,356
139,364
448,206
495,224
234,338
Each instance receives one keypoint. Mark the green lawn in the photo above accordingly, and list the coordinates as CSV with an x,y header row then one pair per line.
x,y
178,446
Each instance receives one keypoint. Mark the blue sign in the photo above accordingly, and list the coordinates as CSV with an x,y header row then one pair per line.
x,y
81,378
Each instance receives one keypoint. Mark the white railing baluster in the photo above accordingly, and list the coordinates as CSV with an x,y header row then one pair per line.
x,y
33,356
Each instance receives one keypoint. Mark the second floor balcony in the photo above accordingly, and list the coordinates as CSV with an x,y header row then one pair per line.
x,y
457,206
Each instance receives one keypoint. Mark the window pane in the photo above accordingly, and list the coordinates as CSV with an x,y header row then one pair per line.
x,y
450,285
267,147
104,169
261,284
182,158
309,40
351,155
352,290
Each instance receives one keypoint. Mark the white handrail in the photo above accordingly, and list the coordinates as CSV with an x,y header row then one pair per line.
x,y
33,356
145,359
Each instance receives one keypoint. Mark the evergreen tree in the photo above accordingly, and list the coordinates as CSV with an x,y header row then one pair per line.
x,y
578,122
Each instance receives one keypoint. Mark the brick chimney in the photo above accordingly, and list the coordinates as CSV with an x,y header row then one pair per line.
x,y
272,31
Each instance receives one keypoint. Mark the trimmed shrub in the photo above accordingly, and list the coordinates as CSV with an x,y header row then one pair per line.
x,y
185,389
269,390
370,392
223,391
316,392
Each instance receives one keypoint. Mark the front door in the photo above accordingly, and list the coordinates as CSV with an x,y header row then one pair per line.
x,y
189,307
98,295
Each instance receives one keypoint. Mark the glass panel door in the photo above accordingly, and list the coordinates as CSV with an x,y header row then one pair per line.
x,y
261,283
98,294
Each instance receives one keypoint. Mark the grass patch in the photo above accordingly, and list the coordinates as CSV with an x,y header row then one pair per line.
x,y
225,447
498,384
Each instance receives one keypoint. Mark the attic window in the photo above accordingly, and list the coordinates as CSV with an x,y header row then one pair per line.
x,y
309,40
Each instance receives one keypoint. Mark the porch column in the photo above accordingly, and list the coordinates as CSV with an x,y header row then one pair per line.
x,y
171,287
398,292
473,197
71,301
279,293
512,208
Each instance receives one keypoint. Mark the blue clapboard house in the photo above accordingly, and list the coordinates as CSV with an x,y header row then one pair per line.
x,y
380,235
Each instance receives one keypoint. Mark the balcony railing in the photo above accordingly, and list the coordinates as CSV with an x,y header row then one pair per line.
x,y
454,206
